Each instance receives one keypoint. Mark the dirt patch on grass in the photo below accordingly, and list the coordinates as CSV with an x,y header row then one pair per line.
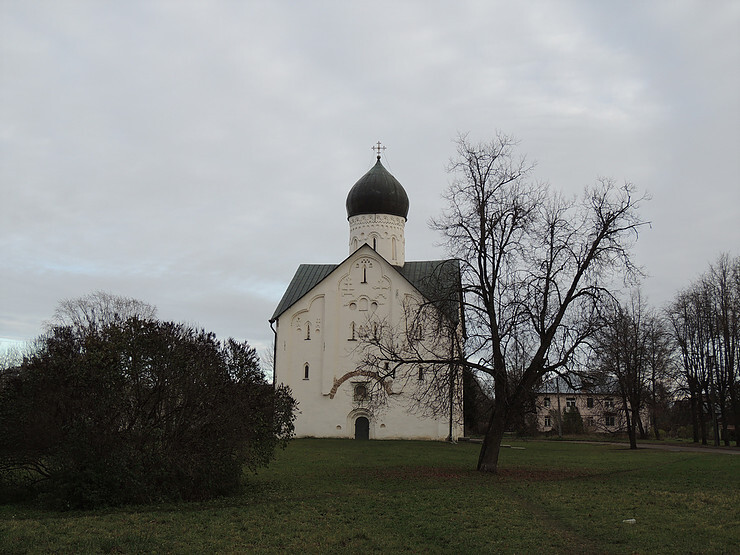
x,y
541,474
519,474
422,472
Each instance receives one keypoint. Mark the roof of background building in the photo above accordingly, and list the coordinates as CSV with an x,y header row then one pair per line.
x,y
574,384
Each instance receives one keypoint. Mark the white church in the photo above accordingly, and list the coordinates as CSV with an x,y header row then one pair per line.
x,y
318,323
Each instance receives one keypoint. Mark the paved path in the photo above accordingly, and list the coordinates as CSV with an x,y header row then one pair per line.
x,y
675,447
693,448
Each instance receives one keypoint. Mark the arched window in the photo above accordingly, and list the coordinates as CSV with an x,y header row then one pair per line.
x,y
354,244
364,274
360,392
308,331
375,243
393,247
305,371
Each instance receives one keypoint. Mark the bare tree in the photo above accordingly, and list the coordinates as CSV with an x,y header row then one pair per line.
x,y
724,284
688,334
535,269
99,308
705,320
631,353
661,369
267,362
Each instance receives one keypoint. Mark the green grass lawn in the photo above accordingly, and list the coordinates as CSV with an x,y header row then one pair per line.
x,y
391,496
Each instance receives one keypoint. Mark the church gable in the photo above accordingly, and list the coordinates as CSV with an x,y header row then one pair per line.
x,y
366,284
308,276
438,281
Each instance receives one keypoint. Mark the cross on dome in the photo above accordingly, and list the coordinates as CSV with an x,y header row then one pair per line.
x,y
378,148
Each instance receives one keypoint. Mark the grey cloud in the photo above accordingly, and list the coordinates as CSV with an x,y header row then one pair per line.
x,y
192,154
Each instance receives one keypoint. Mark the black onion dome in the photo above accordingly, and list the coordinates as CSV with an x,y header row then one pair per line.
x,y
377,192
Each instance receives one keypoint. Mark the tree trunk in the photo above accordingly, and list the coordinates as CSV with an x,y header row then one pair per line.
x,y
636,416
715,426
489,451
736,411
560,411
654,407
630,424
724,413
694,415
702,419
632,435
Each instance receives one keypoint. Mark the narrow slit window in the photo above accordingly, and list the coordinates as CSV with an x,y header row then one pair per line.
x,y
308,332
305,371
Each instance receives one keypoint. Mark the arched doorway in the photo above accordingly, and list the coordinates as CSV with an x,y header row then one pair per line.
x,y
362,428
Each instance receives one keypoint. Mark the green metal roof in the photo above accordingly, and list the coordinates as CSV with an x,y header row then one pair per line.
x,y
438,281
306,277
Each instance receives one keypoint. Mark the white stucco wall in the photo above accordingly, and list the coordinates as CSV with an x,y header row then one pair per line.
x,y
363,288
383,232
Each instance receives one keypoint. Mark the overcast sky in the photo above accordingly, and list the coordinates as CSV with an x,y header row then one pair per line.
x,y
193,154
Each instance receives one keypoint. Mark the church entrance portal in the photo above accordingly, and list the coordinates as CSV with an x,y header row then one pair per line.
x,y
362,428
